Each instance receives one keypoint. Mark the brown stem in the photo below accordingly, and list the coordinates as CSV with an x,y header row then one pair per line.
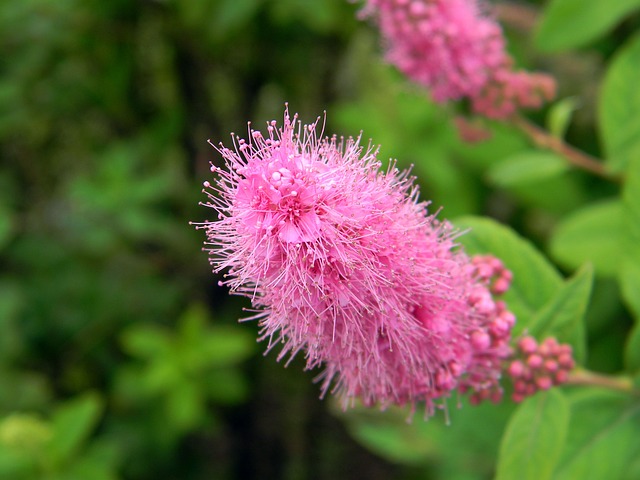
x,y
544,139
585,377
523,17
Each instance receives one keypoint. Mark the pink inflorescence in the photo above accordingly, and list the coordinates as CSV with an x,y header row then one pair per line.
x,y
539,366
343,263
457,51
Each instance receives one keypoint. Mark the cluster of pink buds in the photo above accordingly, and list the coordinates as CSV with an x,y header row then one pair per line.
x,y
511,90
493,273
490,345
539,366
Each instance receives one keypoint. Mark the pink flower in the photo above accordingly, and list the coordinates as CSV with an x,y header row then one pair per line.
x,y
342,262
457,51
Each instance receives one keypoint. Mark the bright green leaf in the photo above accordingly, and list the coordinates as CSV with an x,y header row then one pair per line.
x,y
631,196
603,436
534,438
573,23
15,464
226,345
72,425
559,116
591,234
147,341
161,376
535,280
630,272
526,168
630,285
563,316
632,350
619,105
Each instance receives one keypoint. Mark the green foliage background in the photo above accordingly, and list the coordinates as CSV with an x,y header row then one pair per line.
x,y
120,358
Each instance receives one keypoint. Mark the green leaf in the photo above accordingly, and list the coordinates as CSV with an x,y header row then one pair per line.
x,y
630,272
147,341
435,442
559,116
573,23
526,168
534,438
630,284
631,196
619,105
592,234
535,280
184,406
563,316
632,350
220,345
72,425
7,225
232,14
161,376
405,445
226,345
603,436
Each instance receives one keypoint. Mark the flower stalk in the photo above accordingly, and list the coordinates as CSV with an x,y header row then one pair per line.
x,y
593,379
543,139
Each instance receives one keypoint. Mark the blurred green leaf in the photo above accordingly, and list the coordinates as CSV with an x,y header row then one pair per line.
x,y
535,280
232,14
6,225
559,116
592,234
527,167
201,346
569,24
632,350
16,465
602,440
227,346
161,375
629,276
504,143
146,341
618,106
23,432
563,316
11,304
534,438
185,406
630,283
73,422
435,442
405,444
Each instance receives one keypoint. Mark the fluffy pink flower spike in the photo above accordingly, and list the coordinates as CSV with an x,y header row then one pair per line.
x,y
344,263
457,51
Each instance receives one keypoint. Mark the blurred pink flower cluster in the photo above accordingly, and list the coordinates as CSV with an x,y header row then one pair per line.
x,y
457,51
344,265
